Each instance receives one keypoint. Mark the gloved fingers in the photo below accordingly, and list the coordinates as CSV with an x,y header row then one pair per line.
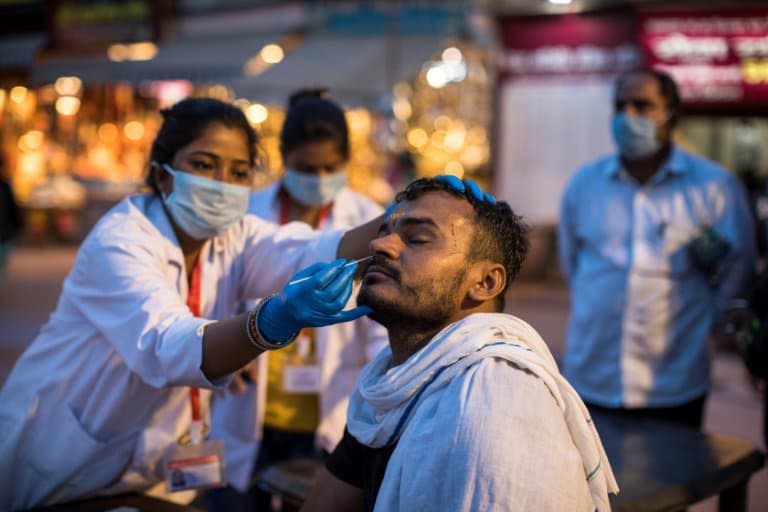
x,y
331,307
489,198
452,181
473,190
337,303
476,192
314,269
352,314
340,284
391,208
322,276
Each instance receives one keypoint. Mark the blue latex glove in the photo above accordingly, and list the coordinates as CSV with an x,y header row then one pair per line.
x,y
467,187
390,209
315,302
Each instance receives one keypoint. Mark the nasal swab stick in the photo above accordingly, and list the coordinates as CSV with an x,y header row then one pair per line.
x,y
301,280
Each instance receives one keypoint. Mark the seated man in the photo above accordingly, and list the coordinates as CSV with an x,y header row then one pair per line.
x,y
466,410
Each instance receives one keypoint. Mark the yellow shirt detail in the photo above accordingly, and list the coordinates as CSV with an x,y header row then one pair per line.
x,y
294,412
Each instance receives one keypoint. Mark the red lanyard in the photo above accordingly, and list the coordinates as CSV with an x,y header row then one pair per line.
x,y
193,301
285,210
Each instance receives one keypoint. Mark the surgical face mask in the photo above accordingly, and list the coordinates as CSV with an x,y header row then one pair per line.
x,y
635,136
313,190
202,207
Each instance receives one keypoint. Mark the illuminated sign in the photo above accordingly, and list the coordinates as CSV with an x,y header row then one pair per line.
x,y
715,57
569,45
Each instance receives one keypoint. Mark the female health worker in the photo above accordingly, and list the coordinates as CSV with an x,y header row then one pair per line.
x,y
314,145
302,392
145,325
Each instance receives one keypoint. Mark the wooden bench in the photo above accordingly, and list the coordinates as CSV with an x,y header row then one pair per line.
x,y
663,466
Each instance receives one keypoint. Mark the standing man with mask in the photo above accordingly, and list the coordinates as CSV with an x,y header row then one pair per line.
x,y
654,242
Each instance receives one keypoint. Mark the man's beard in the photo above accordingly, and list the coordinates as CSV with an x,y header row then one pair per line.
x,y
427,306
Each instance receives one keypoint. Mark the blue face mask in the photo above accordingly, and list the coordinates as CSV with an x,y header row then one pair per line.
x,y
635,136
202,207
312,190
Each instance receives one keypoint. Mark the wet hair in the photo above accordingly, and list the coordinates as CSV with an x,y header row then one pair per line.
x,y
667,86
500,236
187,120
312,117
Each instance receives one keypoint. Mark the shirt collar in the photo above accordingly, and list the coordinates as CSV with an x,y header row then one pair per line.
x,y
675,164
157,216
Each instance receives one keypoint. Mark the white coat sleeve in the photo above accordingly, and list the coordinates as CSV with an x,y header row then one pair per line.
x,y
273,254
119,285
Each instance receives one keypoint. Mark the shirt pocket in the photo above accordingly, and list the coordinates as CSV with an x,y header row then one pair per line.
x,y
70,461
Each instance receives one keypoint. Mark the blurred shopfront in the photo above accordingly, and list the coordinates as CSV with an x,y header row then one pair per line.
x,y
555,94
78,127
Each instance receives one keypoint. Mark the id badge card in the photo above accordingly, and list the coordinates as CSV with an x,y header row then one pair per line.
x,y
301,379
195,466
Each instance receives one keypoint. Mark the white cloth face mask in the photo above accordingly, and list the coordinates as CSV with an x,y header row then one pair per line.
x,y
202,207
313,190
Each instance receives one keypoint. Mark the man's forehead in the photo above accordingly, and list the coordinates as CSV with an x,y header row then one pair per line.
x,y
638,84
440,207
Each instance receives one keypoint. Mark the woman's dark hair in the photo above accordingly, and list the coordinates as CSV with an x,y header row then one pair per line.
x,y
312,117
187,120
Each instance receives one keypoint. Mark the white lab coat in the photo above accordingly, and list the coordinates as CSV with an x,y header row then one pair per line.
x,y
343,349
94,401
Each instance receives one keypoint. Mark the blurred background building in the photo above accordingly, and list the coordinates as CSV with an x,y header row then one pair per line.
x,y
82,82
513,93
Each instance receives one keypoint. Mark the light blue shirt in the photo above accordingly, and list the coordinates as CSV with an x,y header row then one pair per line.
x,y
641,312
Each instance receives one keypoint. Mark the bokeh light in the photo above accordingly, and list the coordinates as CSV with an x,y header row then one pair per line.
x,y
68,85
417,137
31,141
68,105
108,132
18,94
133,130
272,53
256,113
452,55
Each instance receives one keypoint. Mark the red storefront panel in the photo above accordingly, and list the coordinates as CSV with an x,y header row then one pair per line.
x,y
569,45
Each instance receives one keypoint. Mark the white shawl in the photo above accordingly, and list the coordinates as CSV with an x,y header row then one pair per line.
x,y
444,457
